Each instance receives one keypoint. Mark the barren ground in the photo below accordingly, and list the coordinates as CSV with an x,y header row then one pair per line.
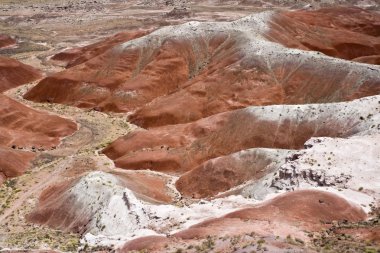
x,y
46,27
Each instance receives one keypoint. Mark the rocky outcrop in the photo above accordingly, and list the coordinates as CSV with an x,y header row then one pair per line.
x,y
179,12
313,177
333,162
14,73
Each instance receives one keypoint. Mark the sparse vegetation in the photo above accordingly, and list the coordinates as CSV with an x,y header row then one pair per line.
x,y
33,237
339,237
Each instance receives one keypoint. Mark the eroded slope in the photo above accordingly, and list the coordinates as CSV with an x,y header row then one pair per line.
x,y
179,148
6,41
347,33
228,153
23,130
14,73
183,73
76,56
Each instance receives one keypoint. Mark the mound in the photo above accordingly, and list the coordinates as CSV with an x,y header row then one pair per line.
x,y
13,163
305,206
6,40
150,187
373,59
14,73
22,128
346,33
293,212
282,76
57,210
223,173
76,56
180,148
124,77
179,74
97,203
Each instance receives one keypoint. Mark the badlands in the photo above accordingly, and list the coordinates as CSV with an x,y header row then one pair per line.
x,y
190,126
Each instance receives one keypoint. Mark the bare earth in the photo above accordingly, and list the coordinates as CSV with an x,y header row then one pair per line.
x,y
162,131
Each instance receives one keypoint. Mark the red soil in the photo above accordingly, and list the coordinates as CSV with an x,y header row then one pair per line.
x,y
77,56
180,148
13,163
14,73
303,210
372,59
346,33
25,128
295,82
223,173
304,206
293,212
205,79
58,210
237,82
146,242
6,41
178,80
148,187
120,79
